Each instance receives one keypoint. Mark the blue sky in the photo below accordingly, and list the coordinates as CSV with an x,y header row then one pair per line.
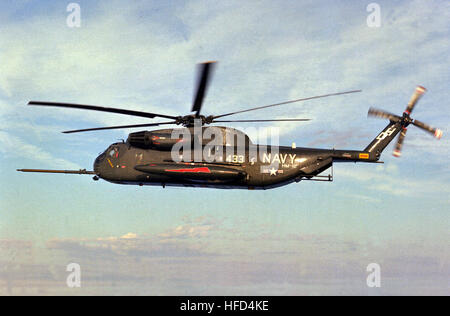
x,y
306,238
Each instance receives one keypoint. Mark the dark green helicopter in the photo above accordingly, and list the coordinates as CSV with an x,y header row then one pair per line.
x,y
221,157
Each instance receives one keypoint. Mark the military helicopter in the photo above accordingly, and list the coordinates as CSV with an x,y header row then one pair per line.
x,y
198,155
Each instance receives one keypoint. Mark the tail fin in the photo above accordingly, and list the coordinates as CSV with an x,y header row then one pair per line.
x,y
384,138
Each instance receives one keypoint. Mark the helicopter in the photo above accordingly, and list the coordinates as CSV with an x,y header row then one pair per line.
x,y
198,155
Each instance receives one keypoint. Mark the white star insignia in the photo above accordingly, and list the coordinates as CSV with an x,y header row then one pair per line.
x,y
273,171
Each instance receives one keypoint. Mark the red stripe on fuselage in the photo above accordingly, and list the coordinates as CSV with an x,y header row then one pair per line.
x,y
195,170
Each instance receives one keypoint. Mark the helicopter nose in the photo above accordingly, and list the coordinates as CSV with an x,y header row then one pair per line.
x,y
97,165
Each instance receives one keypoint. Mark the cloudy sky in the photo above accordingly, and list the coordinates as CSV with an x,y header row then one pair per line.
x,y
306,238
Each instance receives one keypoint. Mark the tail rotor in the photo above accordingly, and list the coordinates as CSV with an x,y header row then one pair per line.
x,y
405,120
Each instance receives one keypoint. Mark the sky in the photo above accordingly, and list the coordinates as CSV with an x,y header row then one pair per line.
x,y
309,238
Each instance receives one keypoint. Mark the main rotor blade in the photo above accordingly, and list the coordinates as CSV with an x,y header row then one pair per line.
x,y
398,146
117,127
100,108
435,131
287,102
274,120
203,79
415,97
383,114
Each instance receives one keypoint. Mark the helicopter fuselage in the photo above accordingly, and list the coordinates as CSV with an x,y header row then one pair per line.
x,y
220,166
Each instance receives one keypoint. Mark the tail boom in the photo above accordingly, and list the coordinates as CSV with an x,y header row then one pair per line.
x,y
377,146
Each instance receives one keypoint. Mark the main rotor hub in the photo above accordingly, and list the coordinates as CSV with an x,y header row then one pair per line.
x,y
189,120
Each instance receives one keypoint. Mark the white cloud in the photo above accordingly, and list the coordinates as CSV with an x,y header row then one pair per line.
x,y
129,236
386,179
11,145
187,231
326,263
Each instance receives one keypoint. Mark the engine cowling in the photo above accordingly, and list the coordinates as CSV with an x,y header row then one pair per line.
x,y
147,139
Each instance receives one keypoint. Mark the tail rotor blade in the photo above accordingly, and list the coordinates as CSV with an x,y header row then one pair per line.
x,y
435,131
203,79
415,97
383,114
399,145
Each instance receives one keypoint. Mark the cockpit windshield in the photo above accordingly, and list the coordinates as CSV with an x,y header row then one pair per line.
x,y
113,152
